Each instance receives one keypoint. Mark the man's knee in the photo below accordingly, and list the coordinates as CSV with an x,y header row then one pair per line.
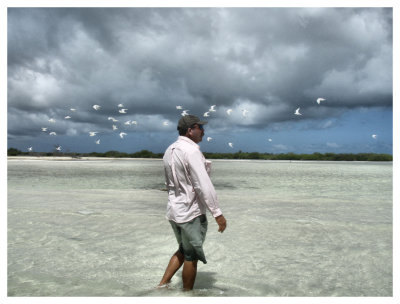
x,y
191,262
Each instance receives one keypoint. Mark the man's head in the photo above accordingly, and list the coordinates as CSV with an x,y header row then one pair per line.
x,y
192,127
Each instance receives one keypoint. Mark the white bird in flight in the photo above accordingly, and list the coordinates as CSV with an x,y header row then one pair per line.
x,y
120,105
93,133
52,133
212,108
134,122
297,112
44,129
96,107
122,134
374,136
73,110
206,114
165,123
244,113
320,99
128,122
58,148
269,139
229,111
230,145
123,111
67,117
98,142
184,113
114,127
52,120
209,138
113,119
179,107
30,149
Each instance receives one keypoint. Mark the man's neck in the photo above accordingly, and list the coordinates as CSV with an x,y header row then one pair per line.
x,y
189,139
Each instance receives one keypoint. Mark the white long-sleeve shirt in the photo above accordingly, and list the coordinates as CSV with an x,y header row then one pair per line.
x,y
187,177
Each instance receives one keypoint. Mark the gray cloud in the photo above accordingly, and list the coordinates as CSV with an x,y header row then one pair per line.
x,y
267,60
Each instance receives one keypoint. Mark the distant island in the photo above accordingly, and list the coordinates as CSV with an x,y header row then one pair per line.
x,y
237,155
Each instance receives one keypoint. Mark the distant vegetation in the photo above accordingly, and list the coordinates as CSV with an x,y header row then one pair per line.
x,y
237,155
293,156
114,154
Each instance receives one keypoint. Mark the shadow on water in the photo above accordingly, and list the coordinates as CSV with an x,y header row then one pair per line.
x,y
203,287
223,185
205,280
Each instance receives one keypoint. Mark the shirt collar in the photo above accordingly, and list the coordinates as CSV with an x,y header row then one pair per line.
x,y
187,139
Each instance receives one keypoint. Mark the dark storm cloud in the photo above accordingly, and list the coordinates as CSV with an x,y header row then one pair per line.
x,y
267,60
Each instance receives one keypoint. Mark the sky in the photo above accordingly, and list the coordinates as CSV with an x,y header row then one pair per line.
x,y
268,61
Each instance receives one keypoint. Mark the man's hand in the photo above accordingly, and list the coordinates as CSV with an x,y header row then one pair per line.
x,y
221,223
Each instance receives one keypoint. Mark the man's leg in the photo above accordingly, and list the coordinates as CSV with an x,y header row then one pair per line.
x,y
189,274
174,264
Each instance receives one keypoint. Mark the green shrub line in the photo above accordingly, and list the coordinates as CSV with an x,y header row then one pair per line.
x,y
238,155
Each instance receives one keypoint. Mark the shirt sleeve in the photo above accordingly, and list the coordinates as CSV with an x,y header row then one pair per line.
x,y
202,183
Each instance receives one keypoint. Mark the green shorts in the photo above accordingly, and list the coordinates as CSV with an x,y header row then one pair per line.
x,y
190,237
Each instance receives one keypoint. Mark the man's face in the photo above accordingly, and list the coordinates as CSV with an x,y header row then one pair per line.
x,y
196,133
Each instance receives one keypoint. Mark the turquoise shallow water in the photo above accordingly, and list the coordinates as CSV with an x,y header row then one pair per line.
x,y
97,228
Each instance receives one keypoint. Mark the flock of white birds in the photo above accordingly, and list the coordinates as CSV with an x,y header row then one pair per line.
x,y
122,110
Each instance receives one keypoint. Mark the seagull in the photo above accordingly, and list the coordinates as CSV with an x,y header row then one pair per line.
x,y
30,149
184,113
120,105
67,117
269,139
206,114
52,120
297,112
96,107
52,133
165,123
229,111
113,119
209,138
114,127
123,111
244,113
58,148
179,107
127,122
122,134
98,142
73,110
44,129
212,108
230,145
374,136
134,122
319,100
93,133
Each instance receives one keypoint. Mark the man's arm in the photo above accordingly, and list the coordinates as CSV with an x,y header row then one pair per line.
x,y
204,187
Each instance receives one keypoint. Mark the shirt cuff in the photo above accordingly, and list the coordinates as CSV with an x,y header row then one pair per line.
x,y
216,212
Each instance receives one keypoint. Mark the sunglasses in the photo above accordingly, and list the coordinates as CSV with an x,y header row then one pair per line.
x,y
199,126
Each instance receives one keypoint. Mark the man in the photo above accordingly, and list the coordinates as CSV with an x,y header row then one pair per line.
x,y
190,193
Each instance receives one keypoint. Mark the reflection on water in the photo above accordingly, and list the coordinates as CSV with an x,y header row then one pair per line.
x,y
97,228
